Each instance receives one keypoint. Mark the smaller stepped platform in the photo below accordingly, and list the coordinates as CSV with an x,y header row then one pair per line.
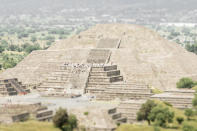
x,y
9,87
129,109
106,83
16,112
181,99
116,116
44,114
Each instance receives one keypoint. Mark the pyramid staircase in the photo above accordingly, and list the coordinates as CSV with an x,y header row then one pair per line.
x,y
116,116
63,80
98,56
9,87
56,82
106,83
44,114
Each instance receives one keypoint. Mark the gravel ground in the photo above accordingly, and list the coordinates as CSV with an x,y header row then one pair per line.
x,y
56,102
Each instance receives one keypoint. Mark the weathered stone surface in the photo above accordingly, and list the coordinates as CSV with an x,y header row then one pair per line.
x,y
10,87
16,112
142,56
181,99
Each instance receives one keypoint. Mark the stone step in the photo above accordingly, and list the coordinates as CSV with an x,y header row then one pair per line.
x,y
117,84
54,87
131,107
106,96
53,84
130,115
43,113
12,93
99,88
116,116
106,79
59,77
42,108
129,112
7,89
174,100
112,111
45,118
56,81
105,73
121,120
104,68
123,93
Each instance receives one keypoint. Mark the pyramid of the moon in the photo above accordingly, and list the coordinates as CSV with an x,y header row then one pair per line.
x,y
128,53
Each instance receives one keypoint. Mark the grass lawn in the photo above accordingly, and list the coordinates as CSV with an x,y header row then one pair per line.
x,y
171,127
29,126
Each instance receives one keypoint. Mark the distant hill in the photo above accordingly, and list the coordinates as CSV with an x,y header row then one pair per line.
x,y
54,6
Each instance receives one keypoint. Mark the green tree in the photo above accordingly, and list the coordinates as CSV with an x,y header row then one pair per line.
x,y
9,63
192,48
61,118
161,116
13,47
4,44
72,120
64,121
1,49
194,101
185,83
180,120
188,113
31,48
33,39
145,110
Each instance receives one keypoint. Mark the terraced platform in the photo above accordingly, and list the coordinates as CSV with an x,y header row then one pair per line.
x,y
66,81
181,99
9,87
17,112
98,56
106,83
129,109
108,43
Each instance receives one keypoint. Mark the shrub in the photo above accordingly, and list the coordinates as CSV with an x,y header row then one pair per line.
x,y
64,121
167,103
86,113
188,113
31,48
13,47
161,116
60,118
185,83
33,39
72,120
180,120
156,91
194,88
145,110
194,101
1,49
